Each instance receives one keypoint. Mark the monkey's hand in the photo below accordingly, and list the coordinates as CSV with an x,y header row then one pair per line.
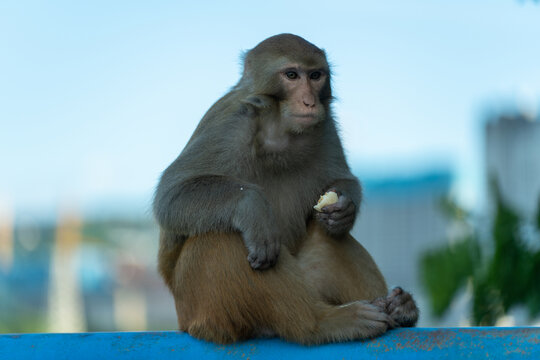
x,y
338,218
255,221
401,307
263,248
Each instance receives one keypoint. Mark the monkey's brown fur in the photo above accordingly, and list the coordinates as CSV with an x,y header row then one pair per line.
x,y
241,248
219,297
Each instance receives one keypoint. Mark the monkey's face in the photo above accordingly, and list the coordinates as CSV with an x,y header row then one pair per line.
x,y
301,105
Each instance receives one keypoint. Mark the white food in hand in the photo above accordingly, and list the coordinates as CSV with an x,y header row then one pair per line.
x,y
327,199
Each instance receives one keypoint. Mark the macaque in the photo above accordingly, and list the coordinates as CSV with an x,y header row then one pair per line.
x,y
242,250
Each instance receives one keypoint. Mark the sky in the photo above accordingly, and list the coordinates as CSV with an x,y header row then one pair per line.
x,y
97,98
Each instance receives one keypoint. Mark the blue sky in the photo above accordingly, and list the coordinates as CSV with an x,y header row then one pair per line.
x,y
97,98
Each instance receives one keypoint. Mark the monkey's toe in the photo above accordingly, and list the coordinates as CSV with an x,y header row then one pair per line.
x,y
402,308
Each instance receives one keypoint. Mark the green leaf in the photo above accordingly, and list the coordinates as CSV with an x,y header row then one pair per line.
x,y
446,270
538,215
487,306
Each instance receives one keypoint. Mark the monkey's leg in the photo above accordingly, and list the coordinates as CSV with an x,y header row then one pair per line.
x,y
340,269
221,299
343,271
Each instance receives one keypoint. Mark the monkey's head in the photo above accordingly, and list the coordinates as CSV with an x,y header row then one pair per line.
x,y
295,73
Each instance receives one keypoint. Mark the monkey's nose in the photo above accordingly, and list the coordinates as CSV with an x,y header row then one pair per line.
x,y
309,101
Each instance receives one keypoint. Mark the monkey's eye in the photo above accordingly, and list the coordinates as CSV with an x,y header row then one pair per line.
x,y
316,75
291,75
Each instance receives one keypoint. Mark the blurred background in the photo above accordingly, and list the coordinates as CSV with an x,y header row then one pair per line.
x,y
438,109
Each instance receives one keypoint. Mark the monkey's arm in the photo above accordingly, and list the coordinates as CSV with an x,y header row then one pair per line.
x,y
192,205
338,219
204,190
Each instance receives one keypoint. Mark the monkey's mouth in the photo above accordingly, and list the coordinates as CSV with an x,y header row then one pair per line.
x,y
305,119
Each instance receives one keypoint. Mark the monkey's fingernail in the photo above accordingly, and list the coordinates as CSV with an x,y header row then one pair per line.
x,y
397,290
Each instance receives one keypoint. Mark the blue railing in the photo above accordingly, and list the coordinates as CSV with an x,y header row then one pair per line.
x,y
415,343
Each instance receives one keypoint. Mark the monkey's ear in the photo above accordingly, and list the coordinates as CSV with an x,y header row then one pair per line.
x,y
259,101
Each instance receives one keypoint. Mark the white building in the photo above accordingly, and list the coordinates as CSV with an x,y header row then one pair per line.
x,y
513,160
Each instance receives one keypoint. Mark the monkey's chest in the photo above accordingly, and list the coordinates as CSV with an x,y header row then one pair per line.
x,y
292,204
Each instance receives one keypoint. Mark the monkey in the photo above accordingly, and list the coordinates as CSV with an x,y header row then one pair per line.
x,y
240,247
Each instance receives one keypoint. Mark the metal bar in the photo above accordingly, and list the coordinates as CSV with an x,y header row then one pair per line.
x,y
412,343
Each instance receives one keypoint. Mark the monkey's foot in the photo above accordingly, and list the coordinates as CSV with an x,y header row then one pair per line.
x,y
401,307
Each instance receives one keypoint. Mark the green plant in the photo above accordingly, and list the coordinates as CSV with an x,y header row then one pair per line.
x,y
503,272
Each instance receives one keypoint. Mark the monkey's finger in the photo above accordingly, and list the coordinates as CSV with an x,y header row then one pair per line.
x,y
265,255
346,212
396,291
404,307
397,298
380,302
393,295
332,208
370,312
406,315
321,216
341,225
392,323
254,261
343,203
260,264
257,257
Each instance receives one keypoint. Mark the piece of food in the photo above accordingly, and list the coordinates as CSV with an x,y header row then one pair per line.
x,y
327,199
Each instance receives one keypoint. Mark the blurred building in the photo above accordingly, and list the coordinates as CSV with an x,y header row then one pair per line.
x,y
24,285
113,282
121,287
513,160
401,218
